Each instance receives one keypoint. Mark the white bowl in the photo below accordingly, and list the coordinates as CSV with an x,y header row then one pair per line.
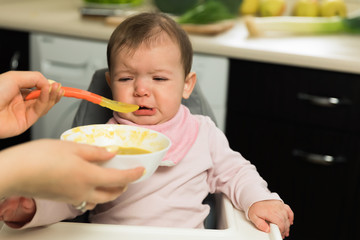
x,y
124,136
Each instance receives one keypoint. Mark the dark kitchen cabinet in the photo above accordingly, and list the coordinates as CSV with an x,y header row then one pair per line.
x,y
14,55
301,128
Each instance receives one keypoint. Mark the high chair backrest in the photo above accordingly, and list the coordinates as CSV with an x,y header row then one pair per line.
x,y
89,113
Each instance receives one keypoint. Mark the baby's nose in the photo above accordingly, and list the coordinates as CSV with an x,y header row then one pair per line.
x,y
142,88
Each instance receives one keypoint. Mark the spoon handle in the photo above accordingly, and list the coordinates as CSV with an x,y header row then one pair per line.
x,y
91,97
71,92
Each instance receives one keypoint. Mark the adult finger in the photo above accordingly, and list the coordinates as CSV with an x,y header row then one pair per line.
x,y
107,194
102,195
90,206
29,79
55,92
92,153
109,177
49,100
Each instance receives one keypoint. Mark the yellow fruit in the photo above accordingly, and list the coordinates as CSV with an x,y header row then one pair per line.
x,y
306,8
330,8
270,8
249,7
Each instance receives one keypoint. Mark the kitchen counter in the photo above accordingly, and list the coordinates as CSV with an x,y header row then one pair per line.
x,y
330,52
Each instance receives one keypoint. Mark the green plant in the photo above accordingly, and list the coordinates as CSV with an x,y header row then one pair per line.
x,y
206,12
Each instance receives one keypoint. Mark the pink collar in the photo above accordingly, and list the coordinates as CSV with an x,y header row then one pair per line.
x,y
182,130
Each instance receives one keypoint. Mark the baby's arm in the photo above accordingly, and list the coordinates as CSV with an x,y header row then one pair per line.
x,y
271,211
17,211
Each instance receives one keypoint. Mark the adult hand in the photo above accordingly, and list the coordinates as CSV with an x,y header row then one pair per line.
x,y
16,114
272,211
62,171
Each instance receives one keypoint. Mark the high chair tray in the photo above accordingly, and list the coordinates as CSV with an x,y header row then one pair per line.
x,y
232,222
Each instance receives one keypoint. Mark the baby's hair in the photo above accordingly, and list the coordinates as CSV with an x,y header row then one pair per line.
x,y
147,28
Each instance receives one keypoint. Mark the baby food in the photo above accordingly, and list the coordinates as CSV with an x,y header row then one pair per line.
x,y
131,151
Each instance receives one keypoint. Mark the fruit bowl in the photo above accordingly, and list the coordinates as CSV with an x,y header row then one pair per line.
x,y
136,146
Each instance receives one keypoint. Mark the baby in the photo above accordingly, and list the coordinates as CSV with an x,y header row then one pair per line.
x,y
149,62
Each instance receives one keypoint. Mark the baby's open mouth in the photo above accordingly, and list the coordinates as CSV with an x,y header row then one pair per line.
x,y
145,111
144,108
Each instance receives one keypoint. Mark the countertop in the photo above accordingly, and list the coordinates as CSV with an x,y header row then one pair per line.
x,y
330,52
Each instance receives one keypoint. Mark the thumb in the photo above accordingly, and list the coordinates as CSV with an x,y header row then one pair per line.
x,y
261,224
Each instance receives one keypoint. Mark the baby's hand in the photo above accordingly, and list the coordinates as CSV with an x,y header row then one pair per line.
x,y
17,211
272,211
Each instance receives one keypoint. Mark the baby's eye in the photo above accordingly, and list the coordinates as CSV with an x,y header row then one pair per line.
x,y
160,79
124,79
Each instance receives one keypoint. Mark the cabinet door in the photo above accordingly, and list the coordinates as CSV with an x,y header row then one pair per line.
x,y
292,141
293,162
267,145
323,98
324,177
14,49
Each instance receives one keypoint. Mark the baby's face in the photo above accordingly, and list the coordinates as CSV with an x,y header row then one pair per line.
x,y
153,78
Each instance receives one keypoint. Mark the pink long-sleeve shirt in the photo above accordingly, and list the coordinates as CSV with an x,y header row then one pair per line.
x,y
173,196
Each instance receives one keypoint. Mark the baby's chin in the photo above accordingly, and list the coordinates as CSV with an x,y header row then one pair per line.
x,y
140,120
148,120
145,118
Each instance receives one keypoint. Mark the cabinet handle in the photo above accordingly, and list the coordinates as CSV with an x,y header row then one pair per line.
x,y
66,65
323,101
14,61
318,158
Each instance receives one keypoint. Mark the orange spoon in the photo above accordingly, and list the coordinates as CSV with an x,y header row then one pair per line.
x,y
91,97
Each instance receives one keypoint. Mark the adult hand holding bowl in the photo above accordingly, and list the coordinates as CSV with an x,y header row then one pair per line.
x,y
136,146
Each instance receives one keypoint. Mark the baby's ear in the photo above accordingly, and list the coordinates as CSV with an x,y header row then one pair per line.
x,y
108,79
189,85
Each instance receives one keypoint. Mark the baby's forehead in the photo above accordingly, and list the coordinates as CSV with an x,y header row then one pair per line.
x,y
159,40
